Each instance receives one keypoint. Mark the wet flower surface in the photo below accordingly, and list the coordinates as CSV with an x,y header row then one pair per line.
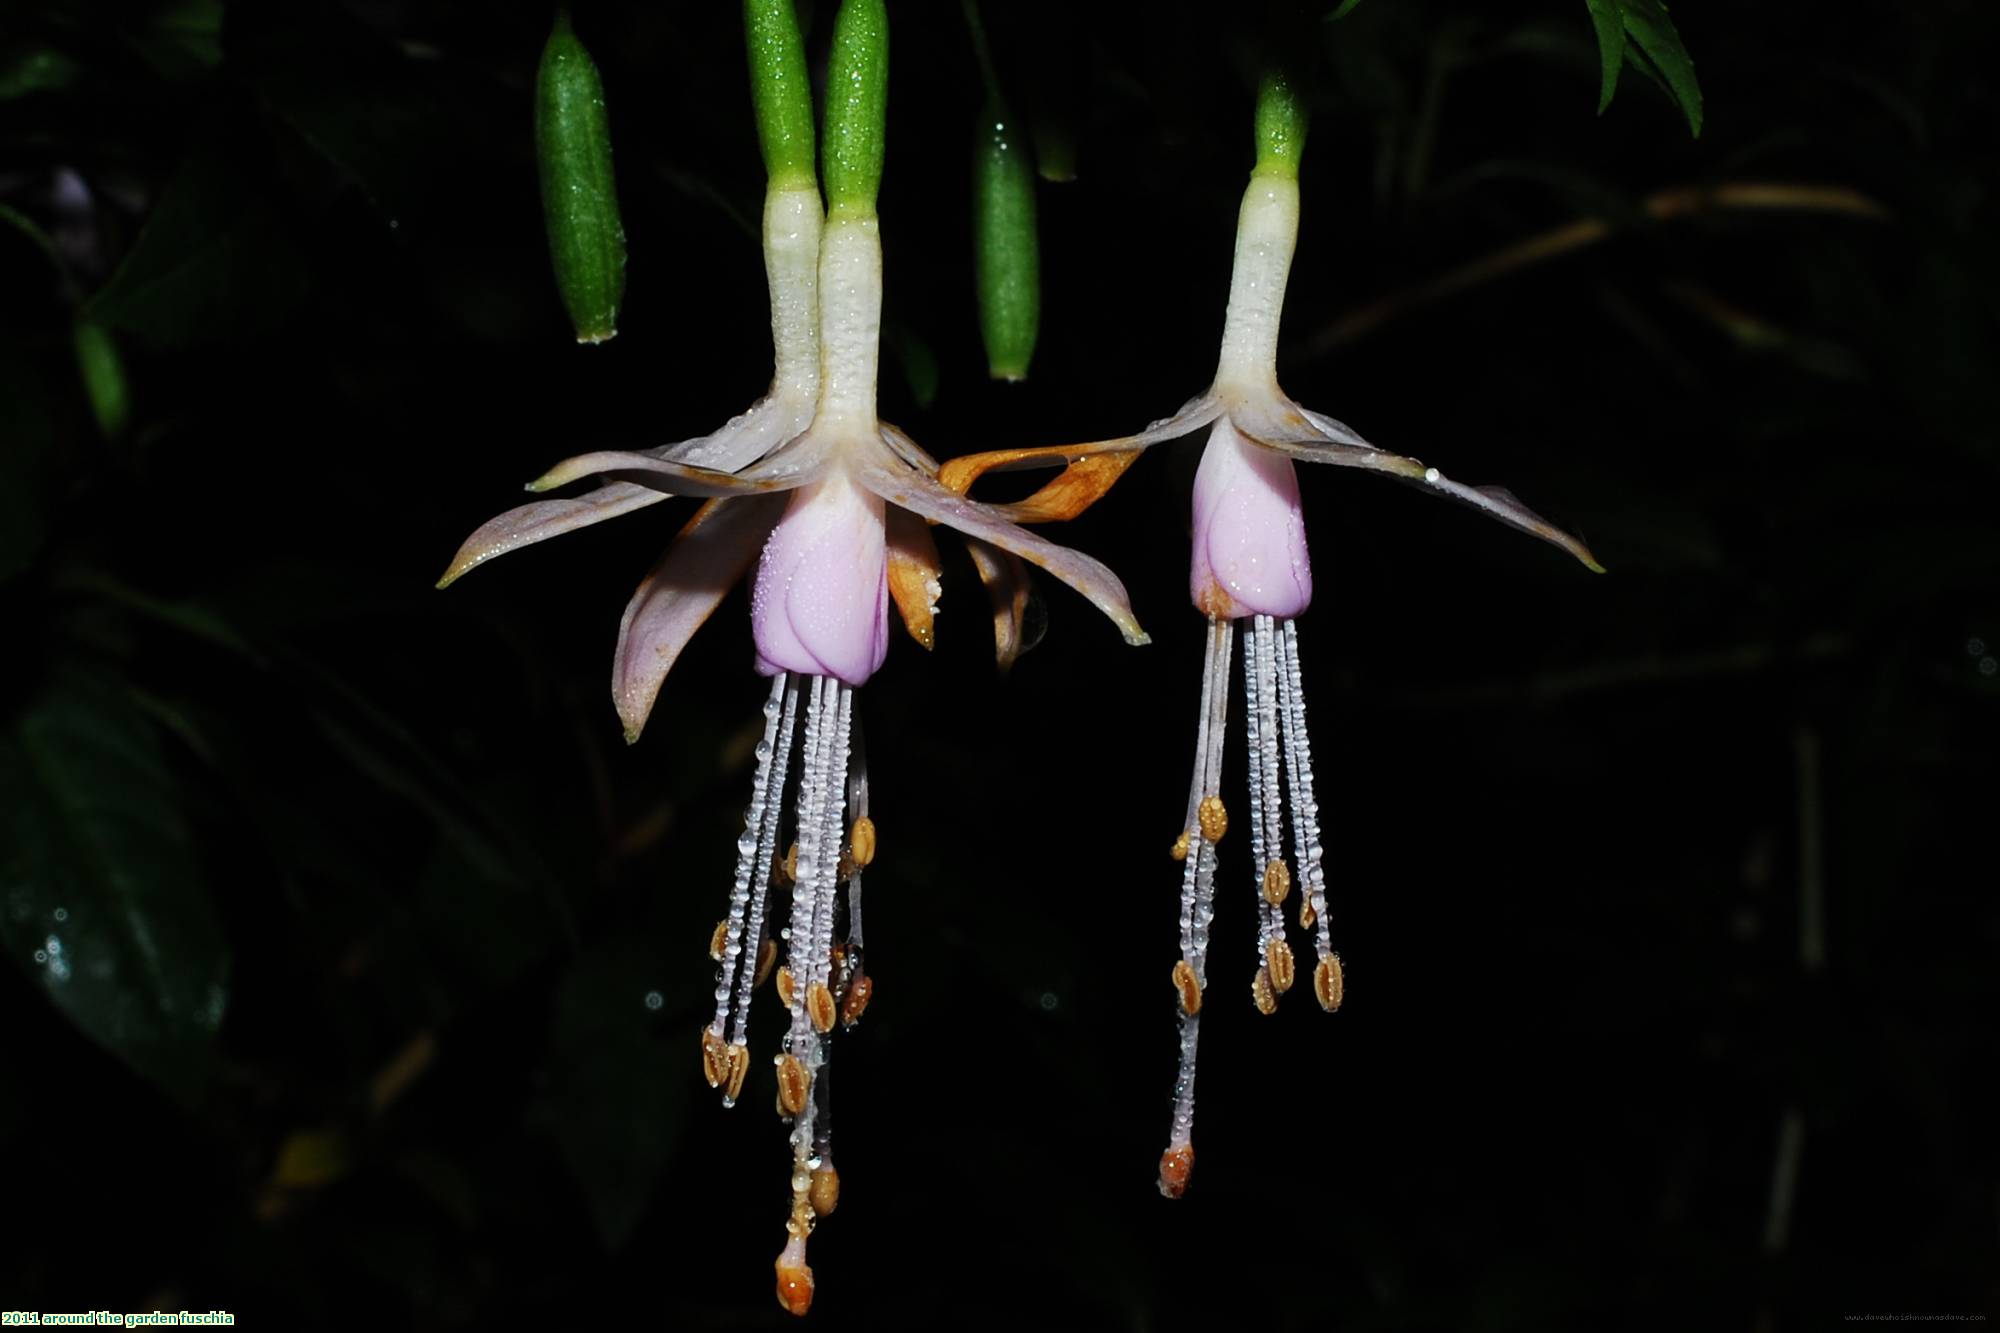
x,y
832,506
1250,575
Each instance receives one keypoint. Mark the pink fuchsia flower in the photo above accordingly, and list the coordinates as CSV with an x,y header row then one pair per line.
x,y
834,511
1251,575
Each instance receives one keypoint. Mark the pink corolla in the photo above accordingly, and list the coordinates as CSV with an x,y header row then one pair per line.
x,y
1251,576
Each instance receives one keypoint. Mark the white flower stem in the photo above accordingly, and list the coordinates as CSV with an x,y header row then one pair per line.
x,y
1267,230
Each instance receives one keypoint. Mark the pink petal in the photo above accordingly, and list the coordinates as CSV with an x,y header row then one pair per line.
x,y
821,601
1321,439
531,523
698,570
792,464
1249,531
766,424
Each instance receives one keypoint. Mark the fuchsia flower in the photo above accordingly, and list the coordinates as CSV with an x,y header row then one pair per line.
x,y
1250,564
833,506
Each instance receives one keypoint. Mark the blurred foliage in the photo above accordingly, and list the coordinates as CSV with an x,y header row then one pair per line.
x,y
355,966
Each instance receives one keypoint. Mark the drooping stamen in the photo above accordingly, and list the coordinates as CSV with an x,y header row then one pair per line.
x,y
1305,816
803,1082
750,974
854,988
1206,820
1267,829
742,932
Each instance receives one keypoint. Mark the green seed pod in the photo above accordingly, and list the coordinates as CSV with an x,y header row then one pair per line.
x,y
1006,254
103,373
579,197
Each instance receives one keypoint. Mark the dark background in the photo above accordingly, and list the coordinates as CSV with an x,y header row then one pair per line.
x,y
1666,896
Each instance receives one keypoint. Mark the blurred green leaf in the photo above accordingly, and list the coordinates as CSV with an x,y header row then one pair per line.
x,y
183,40
1645,25
101,898
103,374
25,471
617,1099
213,261
32,230
920,363
35,69
1346,8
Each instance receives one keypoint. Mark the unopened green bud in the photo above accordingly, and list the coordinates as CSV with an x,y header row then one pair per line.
x,y
579,196
1006,253
857,105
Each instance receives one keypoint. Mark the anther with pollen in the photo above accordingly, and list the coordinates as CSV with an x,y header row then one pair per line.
x,y
807,830
1263,993
860,990
1277,883
1189,988
1282,809
1279,964
794,1085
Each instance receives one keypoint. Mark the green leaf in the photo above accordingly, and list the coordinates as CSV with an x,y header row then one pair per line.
x,y
1645,24
212,262
36,69
101,897
183,40
1346,8
27,462
1609,19
104,383
618,1089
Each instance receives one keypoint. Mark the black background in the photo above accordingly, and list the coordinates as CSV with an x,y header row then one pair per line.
x,y
1574,822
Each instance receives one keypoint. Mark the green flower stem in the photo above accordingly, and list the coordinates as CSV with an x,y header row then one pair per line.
x,y
1281,128
780,90
857,103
